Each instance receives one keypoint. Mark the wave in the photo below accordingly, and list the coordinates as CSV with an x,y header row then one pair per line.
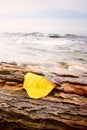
x,y
39,34
23,46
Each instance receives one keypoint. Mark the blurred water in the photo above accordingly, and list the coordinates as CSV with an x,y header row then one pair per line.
x,y
38,48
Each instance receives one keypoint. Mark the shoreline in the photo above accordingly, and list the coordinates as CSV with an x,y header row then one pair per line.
x,y
57,75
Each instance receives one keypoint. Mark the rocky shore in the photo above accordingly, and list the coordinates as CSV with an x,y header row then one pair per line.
x,y
64,108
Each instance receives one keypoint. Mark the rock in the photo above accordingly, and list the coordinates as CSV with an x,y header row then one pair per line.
x,y
74,88
54,36
64,108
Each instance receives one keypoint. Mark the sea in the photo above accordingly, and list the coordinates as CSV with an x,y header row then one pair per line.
x,y
46,51
39,49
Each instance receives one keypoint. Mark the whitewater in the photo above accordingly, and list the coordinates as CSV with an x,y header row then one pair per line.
x,y
43,51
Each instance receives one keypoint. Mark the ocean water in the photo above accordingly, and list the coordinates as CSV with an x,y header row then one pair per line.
x,y
61,26
41,49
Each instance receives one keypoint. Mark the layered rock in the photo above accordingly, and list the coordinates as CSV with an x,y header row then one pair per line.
x,y
64,108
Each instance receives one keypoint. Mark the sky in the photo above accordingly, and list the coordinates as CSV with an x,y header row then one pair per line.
x,y
25,6
19,14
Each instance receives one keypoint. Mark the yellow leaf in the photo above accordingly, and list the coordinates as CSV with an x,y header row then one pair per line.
x,y
37,86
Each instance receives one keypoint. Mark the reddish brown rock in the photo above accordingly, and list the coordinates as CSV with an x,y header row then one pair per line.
x,y
74,88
